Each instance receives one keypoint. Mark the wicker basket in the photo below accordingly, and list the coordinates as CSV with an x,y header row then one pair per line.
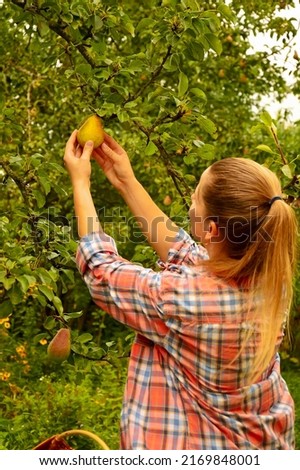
x,y
58,442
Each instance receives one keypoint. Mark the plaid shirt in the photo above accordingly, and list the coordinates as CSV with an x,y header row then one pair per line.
x,y
183,391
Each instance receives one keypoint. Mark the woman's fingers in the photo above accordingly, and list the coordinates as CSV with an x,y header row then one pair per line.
x,y
112,144
87,150
98,157
78,151
98,153
71,144
106,152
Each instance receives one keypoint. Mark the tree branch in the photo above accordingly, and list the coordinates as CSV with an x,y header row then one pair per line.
x,y
283,158
32,220
293,182
166,158
19,182
154,75
59,29
82,49
176,177
104,358
168,118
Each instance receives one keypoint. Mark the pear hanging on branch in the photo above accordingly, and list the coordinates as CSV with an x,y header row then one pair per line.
x,y
60,347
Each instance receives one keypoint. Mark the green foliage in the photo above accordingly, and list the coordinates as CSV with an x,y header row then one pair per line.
x,y
290,372
62,403
178,85
41,398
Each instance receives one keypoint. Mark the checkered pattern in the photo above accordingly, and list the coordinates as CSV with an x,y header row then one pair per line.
x,y
183,391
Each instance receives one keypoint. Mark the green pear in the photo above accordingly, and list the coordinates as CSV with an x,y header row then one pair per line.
x,y
91,129
60,347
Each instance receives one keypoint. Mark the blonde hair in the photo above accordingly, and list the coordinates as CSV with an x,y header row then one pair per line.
x,y
261,242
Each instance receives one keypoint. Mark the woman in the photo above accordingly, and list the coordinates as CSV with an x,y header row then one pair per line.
x,y
204,371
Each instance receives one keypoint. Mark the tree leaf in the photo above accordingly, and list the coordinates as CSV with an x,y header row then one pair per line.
x,y
45,184
207,124
53,255
190,158
144,24
40,198
46,291
151,148
49,323
30,279
84,69
58,304
69,273
195,50
287,171
23,282
127,24
67,316
199,93
265,148
6,308
44,275
183,84
123,116
3,275
214,43
256,128
227,12
15,294
98,23
42,27
191,4
42,300
8,282
84,338
207,151
266,118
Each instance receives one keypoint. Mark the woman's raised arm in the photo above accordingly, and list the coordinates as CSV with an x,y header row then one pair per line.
x,y
159,230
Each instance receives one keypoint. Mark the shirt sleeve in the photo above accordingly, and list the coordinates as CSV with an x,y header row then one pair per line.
x,y
185,251
128,292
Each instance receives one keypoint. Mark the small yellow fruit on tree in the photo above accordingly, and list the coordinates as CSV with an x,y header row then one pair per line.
x,y
167,200
91,129
242,63
229,38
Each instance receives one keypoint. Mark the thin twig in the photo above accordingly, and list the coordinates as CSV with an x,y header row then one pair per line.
x,y
285,162
166,158
103,358
19,182
167,119
293,182
154,75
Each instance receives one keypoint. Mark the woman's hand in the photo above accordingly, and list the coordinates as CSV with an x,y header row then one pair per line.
x,y
115,163
77,160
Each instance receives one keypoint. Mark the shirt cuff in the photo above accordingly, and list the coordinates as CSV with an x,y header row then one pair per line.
x,y
89,245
